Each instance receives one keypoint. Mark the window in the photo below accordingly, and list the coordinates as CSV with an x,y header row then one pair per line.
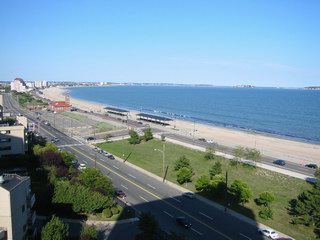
x,y
23,208
24,228
5,131
5,148
5,140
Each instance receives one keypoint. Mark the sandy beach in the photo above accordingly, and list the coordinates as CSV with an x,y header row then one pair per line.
x,y
299,152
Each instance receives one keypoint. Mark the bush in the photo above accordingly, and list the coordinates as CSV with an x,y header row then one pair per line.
x,y
215,169
147,134
184,175
181,162
88,232
266,213
55,229
265,199
203,183
106,213
115,210
134,137
241,191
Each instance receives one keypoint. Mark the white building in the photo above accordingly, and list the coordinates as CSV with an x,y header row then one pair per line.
x,y
40,84
18,85
16,215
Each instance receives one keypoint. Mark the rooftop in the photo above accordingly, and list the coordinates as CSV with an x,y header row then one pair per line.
x,y
153,117
116,109
11,181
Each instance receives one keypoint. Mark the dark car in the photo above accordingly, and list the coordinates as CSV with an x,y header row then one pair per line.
x,y
280,162
90,139
110,156
312,165
183,222
120,193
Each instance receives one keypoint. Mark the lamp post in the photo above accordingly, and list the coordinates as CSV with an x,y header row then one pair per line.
x,y
163,157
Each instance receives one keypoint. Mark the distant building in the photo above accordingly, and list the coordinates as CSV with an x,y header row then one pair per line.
x,y
18,85
40,84
17,219
61,106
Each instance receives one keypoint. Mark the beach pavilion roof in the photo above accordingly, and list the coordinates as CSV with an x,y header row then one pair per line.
x,y
117,111
154,118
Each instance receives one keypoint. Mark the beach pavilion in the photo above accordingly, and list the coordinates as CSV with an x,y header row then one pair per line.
x,y
154,119
117,111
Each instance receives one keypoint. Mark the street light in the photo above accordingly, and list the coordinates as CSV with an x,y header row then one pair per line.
x,y
163,156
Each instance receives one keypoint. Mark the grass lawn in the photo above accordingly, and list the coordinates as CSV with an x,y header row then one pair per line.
x,y
75,116
104,127
259,180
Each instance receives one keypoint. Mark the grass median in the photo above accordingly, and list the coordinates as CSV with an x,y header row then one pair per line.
x,y
259,180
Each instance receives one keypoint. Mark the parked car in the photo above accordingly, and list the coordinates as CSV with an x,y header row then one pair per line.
x,y
54,140
202,139
82,166
95,149
110,156
269,233
280,162
120,193
47,123
312,165
210,141
188,195
182,221
90,139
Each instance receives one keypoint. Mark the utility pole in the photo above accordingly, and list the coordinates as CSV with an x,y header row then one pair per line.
x,y
226,193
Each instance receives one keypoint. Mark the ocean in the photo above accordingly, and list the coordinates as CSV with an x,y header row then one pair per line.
x,y
287,113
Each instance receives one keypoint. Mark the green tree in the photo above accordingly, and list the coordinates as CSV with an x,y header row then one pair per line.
x,y
181,162
88,232
184,175
265,198
252,154
38,149
55,229
266,213
134,137
216,169
241,191
147,134
95,180
317,173
239,153
67,158
148,226
210,151
203,183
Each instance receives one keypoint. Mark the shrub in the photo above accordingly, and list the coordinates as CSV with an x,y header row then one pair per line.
x,y
181,162
266,213
115,210
88,232
265,199
203,183
215,169
134,137
106,213
55,229
184,175
241,192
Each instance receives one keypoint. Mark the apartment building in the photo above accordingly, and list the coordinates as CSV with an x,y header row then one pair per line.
x,y
18,85
17,219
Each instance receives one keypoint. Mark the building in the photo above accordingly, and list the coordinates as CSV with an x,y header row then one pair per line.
x,y
61,106
13,139
40,84
17,219
18,85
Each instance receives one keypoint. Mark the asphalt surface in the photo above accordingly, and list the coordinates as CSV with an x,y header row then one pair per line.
x,y
145,193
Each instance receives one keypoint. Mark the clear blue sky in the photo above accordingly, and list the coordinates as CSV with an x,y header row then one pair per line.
x,y
263,43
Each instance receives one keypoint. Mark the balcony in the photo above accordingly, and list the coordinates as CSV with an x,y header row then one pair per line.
x,y
31,200
3,233
31,218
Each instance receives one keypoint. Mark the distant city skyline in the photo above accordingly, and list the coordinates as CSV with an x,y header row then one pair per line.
x,y
261,43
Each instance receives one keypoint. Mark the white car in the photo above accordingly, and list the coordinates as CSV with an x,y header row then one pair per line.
x,y
82,166
189,195
210,141
269,233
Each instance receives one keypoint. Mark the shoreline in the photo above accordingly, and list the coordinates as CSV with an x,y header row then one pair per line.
x,y
277,146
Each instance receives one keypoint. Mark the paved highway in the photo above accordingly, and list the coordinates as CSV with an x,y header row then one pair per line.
x,y
145,193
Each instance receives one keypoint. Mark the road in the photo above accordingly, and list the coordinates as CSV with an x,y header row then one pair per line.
x,y
146,193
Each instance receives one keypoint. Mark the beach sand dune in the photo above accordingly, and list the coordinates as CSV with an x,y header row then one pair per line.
x,y
298,152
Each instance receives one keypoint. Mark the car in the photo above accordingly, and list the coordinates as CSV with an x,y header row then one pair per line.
x,y
209,141
269,233
96,149
120,193
54,140
202,139
312,165
182,221
82,166
280,162
188,195
110,156
91,138
47,123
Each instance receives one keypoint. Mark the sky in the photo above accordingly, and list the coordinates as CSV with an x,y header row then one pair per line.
x,y
272,43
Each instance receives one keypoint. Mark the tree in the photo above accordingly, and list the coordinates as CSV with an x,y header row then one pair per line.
x,y
266,213
163,137
88,232
241,192
265,198
216,169
317,173
147,134
134,137
55,229
203,183
38,149
181,162
67,158
252,154
239,153
148,226
107,137
184,175
210,150
95,180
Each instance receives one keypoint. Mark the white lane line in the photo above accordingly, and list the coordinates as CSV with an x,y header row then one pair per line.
x,y
102,160
131,176
151,186
175,199
92,154
85,161
245,236
206,215
144,199
196,231
115,167
124,187
168,214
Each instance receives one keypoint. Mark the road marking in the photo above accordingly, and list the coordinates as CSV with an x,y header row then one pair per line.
x,y
245,236
155,196
115,167
92,154
168,214
131,176
175,199
102,160
151,186
144,199
124,187
85,161
196,231
206,216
